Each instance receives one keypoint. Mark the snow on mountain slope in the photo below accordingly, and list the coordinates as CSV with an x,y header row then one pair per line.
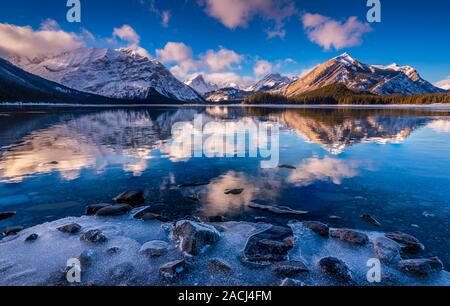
x,y
227,94
380,80
444,84
120,73
17,85
274,82
200,85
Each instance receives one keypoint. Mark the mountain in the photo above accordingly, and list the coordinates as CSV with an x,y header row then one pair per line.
x,y
200,85
227,94
121,74
274,82
379,80
444,84
17,85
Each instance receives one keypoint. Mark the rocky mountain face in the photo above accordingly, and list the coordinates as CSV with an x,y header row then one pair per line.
x,y
227,94
273,82
17,85
379,80
200,85
120,74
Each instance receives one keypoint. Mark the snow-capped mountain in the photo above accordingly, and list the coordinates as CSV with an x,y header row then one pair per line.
x,y
121,74
444,84
17,85
273,82
380,80
200,85
227,94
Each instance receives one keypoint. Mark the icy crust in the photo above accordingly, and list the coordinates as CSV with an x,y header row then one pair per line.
x,y
119,262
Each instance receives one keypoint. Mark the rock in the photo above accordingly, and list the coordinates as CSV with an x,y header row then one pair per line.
x,y
113,251
14,230
86,258
280,210
216,219
270,245
369,219
421,267
288,282
188,185
335,268
114,210
350,236
31,238
284,166
410,244
195,236
70,228
236,191
154,248
288,269
172,270
147,215
6,215
318,228
219,266
94,208
122,273
94,236
386,250
132,197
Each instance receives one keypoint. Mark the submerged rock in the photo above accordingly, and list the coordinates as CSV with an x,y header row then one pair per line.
x,y
270,245
114,210
70,228
236,191
122,273
172,270
219,266
194,236
86,258
350,236
113,250
280,210
217,219
32,237
6,215
285,166
335,268
318,228
155,248
14,230
94,236
371,220
92,209
410,244
288,269
147,214
132,197
386,250
421,267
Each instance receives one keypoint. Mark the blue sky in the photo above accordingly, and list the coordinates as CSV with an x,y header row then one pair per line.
x,y
246,38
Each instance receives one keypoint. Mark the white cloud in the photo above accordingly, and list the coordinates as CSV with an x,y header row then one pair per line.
x,y
25,41
444,84
224,79
165,18
179,54
262,68
330,33
127,33
238,13
222,59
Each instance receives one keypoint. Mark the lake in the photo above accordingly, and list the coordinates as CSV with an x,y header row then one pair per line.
x,y
393,164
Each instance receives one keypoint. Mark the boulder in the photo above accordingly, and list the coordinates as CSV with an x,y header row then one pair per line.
x,y
318,228
72,228
155,248
386,250
350,236
32,237
217,265
114,210
335,268
94,236
14,230
371,220
289,269
268,246
92,209
421,267
409,243
172,270
132,197
194,236
6,215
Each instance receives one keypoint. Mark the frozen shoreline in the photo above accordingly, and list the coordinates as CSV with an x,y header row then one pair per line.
x,y
119,261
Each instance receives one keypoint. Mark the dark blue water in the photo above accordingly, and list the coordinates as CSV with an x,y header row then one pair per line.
x,y
393,164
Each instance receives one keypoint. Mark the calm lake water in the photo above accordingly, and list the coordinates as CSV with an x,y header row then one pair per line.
x,y
393,164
